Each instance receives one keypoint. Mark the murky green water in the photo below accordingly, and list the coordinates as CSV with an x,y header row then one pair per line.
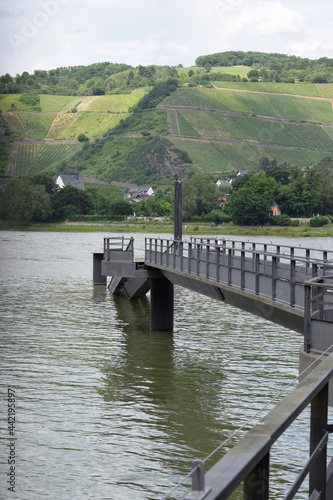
x,y
106,409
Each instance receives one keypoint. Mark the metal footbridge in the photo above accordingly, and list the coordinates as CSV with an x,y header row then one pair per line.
x,y
291,286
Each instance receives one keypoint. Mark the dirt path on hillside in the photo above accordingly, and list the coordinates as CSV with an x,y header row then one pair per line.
x,y
227,140
248,142
47,141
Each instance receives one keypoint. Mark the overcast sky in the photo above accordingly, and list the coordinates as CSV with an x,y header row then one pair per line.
x,y
46,34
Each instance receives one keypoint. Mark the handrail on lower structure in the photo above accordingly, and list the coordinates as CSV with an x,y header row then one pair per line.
x,y
117,244
248,461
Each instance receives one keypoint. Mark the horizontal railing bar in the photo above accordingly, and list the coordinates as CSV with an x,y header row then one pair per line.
x,y
229,244
238,251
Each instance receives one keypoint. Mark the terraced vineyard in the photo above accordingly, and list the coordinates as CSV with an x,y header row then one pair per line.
x,y
235,125
227,127
214,125
33,158
254,103
58,118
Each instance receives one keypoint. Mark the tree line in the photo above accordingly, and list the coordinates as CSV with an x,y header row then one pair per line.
x,y
39,199
274,67
299,193
94,79
247,201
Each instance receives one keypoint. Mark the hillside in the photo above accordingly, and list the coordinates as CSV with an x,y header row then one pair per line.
x,y
199,123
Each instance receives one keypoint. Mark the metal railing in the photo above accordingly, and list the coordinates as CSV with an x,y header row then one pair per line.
x,y
275,271
318,313
120,244
249,460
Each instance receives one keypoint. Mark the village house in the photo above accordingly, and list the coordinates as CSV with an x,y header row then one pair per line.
x,y
70,180
140,193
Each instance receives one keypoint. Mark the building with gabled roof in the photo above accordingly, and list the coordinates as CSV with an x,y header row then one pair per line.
x,y
70,180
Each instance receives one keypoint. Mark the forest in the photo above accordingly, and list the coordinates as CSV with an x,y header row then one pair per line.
x,y
274,67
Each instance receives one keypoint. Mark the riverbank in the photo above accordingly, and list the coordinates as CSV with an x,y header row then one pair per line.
x,y
303,230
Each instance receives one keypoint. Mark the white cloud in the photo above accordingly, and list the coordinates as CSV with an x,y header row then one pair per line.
x,y
156,31
258,17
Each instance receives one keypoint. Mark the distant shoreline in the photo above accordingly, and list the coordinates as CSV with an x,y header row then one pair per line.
x,y
302,231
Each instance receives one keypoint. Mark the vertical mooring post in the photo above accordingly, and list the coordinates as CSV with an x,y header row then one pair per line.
x,y
161,304
98,278
178,210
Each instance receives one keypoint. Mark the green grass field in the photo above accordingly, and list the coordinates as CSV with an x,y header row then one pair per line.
x,y
118,103
301,89
231,70
91,124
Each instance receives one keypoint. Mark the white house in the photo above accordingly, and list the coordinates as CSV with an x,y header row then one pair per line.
x,y
70,180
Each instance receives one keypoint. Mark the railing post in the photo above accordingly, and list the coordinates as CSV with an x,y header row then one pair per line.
x,y
230,250
307,318
324,262
155,251
207,259
318,427
253,254
218,258
189,257
257,270
198,491
274,272
198,258
161,256
256,485
242,268
181,255
292,282
307,256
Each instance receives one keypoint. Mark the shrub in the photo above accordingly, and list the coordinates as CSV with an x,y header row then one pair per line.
x,y
295,223
281,220
319,221
30,99
82,138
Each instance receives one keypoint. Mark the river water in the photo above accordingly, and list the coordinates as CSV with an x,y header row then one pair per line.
x,y
106,409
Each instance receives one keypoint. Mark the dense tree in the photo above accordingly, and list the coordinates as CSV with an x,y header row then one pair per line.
x,y
324,170
22,200
159,205
250,204
200,196
120,209
47,181
71,201
290,196
275,67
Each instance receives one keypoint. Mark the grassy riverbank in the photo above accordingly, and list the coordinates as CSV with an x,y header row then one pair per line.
x,y
164,227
